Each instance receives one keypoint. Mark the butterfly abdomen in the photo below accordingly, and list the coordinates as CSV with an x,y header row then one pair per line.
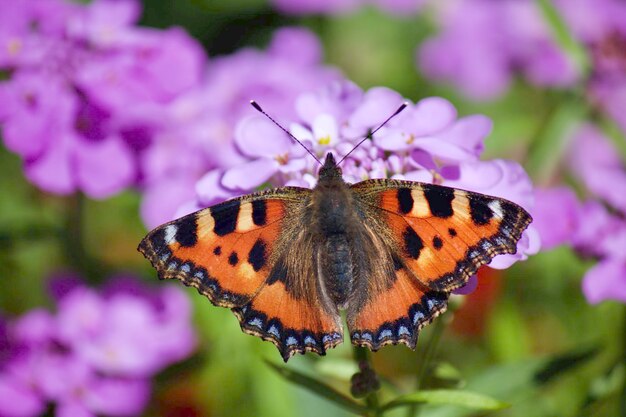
x,y
334,225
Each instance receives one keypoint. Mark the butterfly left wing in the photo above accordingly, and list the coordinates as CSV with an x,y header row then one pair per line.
x,y
442,235
436,238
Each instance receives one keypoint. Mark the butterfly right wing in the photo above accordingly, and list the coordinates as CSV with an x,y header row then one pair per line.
x,y
248,254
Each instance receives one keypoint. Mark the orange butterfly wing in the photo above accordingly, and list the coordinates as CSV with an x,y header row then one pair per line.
x,y
232,253
396,314
443,235
436,237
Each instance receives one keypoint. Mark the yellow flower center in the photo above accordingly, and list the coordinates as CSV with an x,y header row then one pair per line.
x,y
324,140
437,178
14,46
282,159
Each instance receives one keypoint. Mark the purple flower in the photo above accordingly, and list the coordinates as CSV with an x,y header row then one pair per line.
x,y
595,162
590,228
557,216
483,43
270,150
427,142
205,119
96,356
87,90
606,281
105,331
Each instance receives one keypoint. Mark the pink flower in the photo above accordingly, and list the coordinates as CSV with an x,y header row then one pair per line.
x,y
590,228
87,90
97,354
482,44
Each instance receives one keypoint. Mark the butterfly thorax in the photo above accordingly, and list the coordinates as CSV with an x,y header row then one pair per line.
x,y
335,223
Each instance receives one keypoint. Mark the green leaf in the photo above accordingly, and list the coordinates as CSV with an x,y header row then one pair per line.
x,y
558,365
319,388
445,371
448,397
512,381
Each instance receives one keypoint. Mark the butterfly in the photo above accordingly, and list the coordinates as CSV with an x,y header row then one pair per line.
x,y
287,260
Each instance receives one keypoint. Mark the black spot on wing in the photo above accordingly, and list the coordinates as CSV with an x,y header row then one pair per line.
x,y
437,242
405,200
225,217
218,250
413,244
186,231
258,255
480,211
439,200
259,212
397,263
233,259
452,232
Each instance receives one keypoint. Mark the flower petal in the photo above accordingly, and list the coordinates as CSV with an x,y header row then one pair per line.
x,y
377,105
469,133
605,281
249,175
17,400
118,397
257,136
430,115
104,168
556,216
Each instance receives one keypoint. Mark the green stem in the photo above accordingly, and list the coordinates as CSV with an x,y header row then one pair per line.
x,y
425,358
564,36
361,355
73,243
552,138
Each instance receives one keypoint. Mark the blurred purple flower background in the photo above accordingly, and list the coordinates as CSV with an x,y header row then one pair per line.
x,y
97,354
596,228
483,45
87,90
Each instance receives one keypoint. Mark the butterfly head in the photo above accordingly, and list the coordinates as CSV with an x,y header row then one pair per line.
x,y
329,170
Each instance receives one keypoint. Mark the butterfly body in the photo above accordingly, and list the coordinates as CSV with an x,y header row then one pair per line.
x,y
287,260
336,223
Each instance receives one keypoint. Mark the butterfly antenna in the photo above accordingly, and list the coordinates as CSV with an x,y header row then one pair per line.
x,y
371,134
260,110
